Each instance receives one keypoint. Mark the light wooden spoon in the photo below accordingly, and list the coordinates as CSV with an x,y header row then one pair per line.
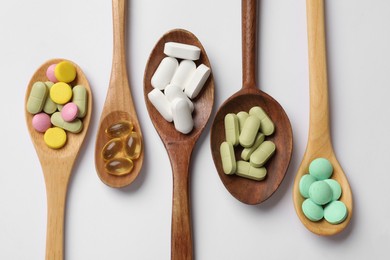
x,y
245,190
119,105
319,142
180,146
57,164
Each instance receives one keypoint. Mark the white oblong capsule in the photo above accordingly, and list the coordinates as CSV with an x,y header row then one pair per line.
x,y
161,103
182,118
182,51
183,73
164,73
197,81
173,91
228,158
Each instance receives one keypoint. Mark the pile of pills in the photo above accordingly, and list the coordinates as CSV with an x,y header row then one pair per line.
x,y
176,82
322,193
123,148
249,130
56,105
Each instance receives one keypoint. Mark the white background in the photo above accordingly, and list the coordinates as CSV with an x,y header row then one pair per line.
x,y
134,223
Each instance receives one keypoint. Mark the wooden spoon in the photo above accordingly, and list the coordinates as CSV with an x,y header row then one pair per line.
x,y
245,190
119,106
57,164
319,142
180,146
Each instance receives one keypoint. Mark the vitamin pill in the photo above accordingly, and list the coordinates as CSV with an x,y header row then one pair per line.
x,y
119,129
65,71
242,116
231,128
50,107
335,187
112,148
261,155
164,73
182,118
61,93
321,168
119,166
55,137
173,91
50,73
267,126
69,112
335,212
249,131
74,127
80,98
37,97
304,184
182,51
161,103
41,122
312,211
183,73
197,81
133,145
320,192
228,158
247,152
244,169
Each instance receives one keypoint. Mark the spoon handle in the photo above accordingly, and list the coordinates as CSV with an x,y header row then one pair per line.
x,y
319,134
249,30
181,244
119,82
56,180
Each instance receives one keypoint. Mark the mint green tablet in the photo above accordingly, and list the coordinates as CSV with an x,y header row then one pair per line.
x,y
336,188
320,192
304,184
335,212
321,168
312,211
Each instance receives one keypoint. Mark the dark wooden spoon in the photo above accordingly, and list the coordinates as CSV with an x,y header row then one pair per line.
x,y
178,145
245,190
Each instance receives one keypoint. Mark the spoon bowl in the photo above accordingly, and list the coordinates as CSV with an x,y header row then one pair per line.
x,y
180,146
319,141
119,105
57,164
246,190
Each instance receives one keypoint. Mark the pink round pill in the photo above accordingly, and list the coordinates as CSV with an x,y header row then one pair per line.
x,y
69,112
50,73
41,122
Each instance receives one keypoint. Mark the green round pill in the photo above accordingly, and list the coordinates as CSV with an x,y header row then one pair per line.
x,y
336,188
335,212
312,211
304,184
320,192
321,168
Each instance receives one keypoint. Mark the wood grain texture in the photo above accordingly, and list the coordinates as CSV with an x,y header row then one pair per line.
x,y
57,164
319,140
119,105
178,145
245,190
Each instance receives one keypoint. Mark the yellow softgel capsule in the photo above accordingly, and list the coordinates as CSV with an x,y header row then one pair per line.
x,y
61,93
55,137
65,71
